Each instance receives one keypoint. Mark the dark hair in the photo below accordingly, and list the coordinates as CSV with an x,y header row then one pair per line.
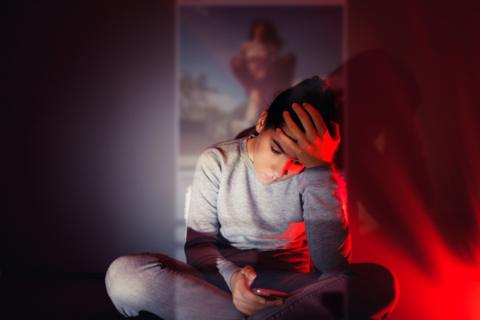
x,y
271,34
313,91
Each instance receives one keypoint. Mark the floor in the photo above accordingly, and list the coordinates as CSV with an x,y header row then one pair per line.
x,y
57,296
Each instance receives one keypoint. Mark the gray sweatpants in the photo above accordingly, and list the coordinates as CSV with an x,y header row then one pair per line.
x,y
172,289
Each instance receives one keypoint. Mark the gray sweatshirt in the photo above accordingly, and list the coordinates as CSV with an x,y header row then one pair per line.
x,y
299,224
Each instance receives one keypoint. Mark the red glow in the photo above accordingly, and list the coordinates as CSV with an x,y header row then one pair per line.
x,y
413,186
452,291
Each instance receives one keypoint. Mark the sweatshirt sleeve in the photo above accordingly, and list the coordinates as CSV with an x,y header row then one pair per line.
x,y
323,193
200,247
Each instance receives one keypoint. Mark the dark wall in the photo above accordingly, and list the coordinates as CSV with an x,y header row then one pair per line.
x,y
90,136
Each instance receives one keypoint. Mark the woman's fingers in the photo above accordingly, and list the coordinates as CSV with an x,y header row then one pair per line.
x,y
250,304
310,130
336,130
290,145
317,118
296,132
244,299
246,293
251,297
250,273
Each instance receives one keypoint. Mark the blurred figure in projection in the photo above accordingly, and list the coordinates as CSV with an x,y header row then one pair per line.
x,y
261,69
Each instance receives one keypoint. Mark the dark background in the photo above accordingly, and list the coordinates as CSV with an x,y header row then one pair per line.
x,y
89,150
90,134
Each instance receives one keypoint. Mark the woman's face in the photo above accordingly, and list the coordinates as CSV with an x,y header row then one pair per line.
x,y
273,161
260,33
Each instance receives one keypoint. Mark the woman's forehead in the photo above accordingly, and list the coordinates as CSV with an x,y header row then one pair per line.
x,y
277,138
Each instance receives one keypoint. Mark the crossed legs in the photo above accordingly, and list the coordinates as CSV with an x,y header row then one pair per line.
x,y
172,289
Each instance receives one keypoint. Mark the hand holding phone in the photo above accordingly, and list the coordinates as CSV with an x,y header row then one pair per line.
x,y
243,297
270,294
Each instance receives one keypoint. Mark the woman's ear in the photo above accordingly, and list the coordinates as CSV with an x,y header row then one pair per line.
x,y
261,121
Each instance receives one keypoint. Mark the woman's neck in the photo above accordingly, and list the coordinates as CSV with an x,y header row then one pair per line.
x,y
250,147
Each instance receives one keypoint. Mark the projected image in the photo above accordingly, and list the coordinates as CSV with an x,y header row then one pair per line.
x,y
233,60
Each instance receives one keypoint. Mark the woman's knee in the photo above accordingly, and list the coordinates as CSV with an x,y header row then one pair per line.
x,y
373,285
125,277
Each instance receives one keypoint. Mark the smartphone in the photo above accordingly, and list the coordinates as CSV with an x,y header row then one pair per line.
x,y
270,294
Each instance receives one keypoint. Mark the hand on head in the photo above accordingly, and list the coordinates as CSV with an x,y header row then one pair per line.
x,y
315,146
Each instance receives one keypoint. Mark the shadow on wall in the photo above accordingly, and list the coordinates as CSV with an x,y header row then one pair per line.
x,y
389,167
412,182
